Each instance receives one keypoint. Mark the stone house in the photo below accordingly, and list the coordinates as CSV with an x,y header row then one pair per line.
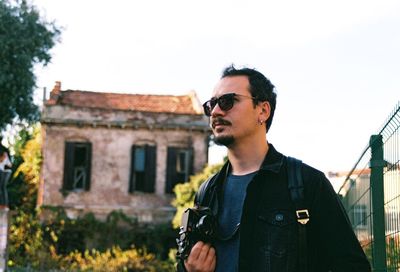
x,y
107,151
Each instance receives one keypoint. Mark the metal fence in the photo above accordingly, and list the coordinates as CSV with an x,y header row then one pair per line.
x,y
371,196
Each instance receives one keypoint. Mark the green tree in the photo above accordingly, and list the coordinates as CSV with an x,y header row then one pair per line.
x,y
25,240
185,192
25,40
26,149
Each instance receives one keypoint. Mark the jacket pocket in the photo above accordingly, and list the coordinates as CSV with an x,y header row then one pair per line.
x,y
278,229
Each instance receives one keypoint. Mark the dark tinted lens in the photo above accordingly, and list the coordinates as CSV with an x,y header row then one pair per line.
x,y
226,101
207,108
212,104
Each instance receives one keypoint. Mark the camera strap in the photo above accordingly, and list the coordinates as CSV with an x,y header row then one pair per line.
x,y
229,237
296,188
199,198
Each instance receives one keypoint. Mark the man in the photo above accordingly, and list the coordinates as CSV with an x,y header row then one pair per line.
x,y
5,172
257,224
5,162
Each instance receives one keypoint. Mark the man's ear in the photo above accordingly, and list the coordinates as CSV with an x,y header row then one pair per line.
x,y
265,110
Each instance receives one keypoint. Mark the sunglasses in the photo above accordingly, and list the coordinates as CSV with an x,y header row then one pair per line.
x,y
225,102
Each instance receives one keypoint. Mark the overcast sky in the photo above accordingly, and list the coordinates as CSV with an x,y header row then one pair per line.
x,y
335,64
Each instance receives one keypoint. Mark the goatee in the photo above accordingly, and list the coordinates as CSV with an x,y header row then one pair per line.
x,y
224,140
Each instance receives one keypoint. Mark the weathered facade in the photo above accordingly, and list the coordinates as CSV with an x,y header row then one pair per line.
x,y
108,151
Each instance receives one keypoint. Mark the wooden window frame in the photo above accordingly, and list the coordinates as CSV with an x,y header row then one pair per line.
x,y
143,181
77,170
175,172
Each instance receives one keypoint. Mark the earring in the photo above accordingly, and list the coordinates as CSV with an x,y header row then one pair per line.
x,y
260,122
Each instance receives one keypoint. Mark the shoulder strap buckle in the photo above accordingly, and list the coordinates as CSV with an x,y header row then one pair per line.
x,y
302,216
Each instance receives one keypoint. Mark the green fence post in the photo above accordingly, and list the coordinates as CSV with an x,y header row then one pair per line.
x,y
377,198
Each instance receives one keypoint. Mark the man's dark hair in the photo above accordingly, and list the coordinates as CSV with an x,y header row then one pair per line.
x,y
3,149
260,87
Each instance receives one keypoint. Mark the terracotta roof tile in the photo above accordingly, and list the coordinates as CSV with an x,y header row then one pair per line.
x,y
182,104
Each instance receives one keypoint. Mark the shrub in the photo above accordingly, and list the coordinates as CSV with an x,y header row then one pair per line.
x,y
185,192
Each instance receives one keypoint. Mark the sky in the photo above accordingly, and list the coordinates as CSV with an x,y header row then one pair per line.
x,y
335,64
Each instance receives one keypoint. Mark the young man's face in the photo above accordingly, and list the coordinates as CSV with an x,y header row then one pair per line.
x,y
241,121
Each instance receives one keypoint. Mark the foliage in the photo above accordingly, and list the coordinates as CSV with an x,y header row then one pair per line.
x,y
393,253
118,229
25,40
26,244
185,192
22,189
114,259
87,244
26,235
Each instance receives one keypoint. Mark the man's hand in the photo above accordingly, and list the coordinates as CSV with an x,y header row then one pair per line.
x,y
202,258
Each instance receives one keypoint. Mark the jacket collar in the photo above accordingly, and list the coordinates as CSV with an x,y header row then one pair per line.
x,y
273,162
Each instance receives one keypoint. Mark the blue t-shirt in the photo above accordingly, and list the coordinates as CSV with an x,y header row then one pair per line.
x,y
229,217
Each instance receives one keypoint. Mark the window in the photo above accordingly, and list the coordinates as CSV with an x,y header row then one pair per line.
x,y
77,162
143,169
359,216
179,166
392,216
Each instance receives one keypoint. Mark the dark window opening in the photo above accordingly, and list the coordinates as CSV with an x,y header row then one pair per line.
x,y
77,164
143,169
179,166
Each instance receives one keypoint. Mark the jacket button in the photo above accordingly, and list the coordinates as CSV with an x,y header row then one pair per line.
x,y
279,217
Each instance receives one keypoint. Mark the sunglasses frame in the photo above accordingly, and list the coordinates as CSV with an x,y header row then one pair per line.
x,y
225,102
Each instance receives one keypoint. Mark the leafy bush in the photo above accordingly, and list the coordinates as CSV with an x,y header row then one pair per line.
x,y
185,192
114,259
87,244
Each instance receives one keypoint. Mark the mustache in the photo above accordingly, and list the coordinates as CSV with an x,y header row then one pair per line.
x,y
220,121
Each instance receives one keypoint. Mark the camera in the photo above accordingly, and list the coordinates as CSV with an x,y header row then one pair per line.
x,y
198,224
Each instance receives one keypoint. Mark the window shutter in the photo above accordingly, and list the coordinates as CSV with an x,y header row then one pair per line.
x,y
191,161
132,178
171,169
88,164
150,169
68,166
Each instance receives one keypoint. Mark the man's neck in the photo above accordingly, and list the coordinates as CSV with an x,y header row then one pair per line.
x,y
246,159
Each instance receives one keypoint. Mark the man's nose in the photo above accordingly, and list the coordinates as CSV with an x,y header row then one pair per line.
x,y
216,111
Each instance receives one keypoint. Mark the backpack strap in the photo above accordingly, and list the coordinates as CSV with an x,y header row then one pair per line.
x,y
201,193
296,188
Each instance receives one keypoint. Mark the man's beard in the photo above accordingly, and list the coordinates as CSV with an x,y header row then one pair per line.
x,y
224,140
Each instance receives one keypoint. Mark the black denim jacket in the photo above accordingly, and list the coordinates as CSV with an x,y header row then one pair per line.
x,y
268,228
